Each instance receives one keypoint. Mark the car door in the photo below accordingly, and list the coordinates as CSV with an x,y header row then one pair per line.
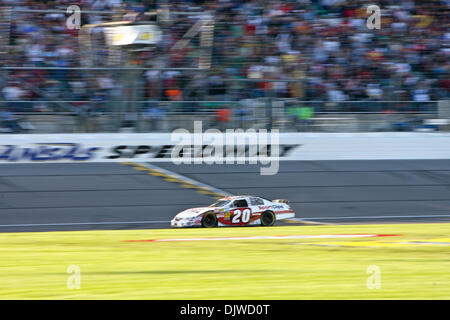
x,y
241,213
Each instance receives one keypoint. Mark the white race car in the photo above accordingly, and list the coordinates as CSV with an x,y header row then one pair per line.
x,y
235,211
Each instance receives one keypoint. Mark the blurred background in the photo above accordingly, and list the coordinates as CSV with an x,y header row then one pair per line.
x,y
302,65
155,66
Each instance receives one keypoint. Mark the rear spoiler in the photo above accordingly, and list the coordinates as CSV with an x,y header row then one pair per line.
x,y
281,201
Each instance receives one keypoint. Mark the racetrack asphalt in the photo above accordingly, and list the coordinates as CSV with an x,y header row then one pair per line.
x,y
87,196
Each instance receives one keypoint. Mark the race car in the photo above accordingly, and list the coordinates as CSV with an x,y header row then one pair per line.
x,y
235,211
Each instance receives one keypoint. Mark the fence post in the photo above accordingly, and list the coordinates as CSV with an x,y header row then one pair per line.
x,y
444,113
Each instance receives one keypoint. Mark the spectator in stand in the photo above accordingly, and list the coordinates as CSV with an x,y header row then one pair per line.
x,y
223,117
154,115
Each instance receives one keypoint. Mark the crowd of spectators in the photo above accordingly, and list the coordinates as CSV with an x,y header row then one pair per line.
x,y
324,45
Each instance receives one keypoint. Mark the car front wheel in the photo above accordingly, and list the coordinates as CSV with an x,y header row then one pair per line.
x,y
209,220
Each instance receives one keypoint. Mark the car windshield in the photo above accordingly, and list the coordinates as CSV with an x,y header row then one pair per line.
x,y
220,203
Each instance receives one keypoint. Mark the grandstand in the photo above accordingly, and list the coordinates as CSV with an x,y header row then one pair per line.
x,y
293,65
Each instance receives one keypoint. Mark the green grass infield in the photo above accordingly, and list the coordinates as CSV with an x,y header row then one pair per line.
x,y
408,261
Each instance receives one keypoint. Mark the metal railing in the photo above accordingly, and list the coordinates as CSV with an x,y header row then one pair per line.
x,y
282,114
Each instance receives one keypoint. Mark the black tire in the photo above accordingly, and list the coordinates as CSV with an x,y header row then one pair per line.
x,y
209,220
268,218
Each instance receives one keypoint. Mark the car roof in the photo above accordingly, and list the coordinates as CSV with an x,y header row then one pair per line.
x,y
233,197
238,197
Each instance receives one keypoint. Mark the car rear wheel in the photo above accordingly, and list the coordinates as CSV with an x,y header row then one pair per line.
x,y
209,220
268,218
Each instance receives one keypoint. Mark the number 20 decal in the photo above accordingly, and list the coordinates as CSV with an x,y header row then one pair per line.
x,y
241,215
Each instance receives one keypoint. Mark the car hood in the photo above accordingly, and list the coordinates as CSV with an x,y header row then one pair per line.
x,y
193,212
